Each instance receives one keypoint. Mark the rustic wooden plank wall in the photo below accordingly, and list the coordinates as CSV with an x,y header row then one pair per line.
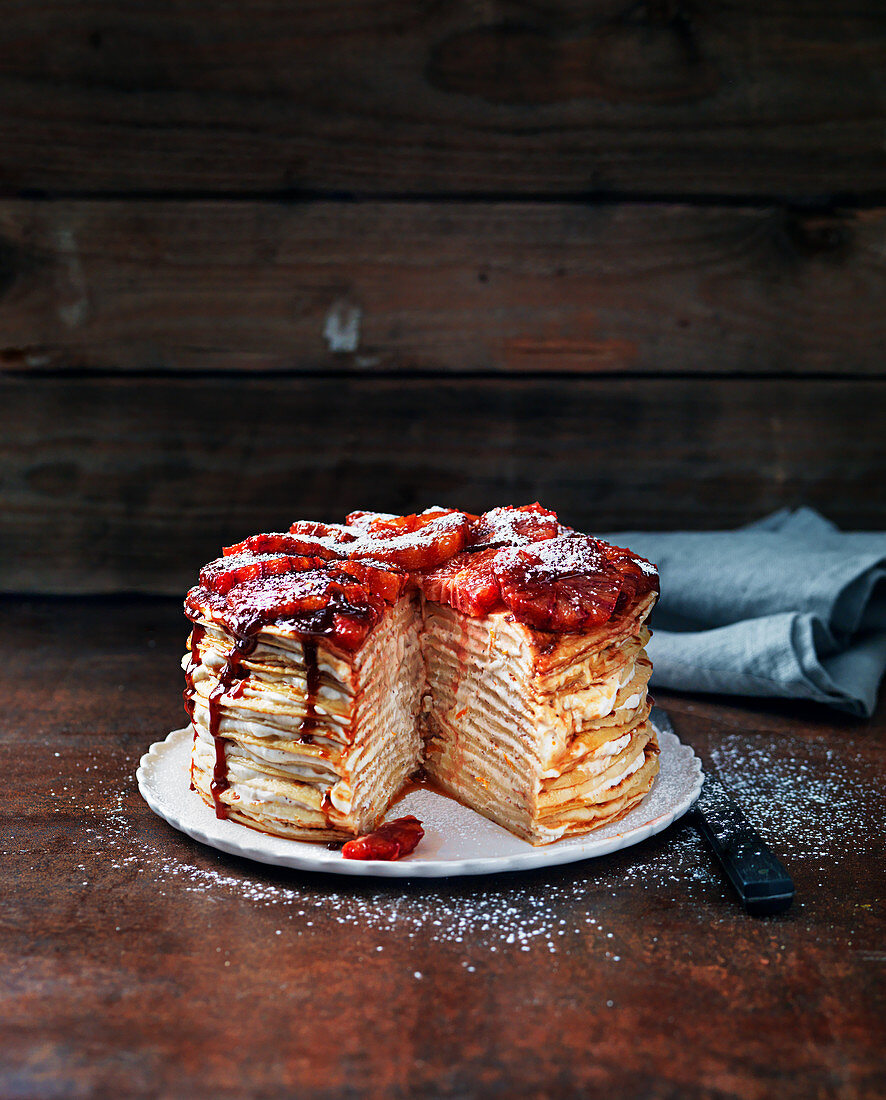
x,y
255,264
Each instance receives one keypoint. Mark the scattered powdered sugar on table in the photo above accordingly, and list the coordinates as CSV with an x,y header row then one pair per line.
x,y
505,912
809,812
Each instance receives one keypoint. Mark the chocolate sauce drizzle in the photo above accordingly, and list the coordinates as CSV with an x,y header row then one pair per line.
x,y
232,682
244,645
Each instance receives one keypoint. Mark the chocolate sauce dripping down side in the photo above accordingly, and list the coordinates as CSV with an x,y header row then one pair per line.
x,y
312,677
243,646
197,634
306,627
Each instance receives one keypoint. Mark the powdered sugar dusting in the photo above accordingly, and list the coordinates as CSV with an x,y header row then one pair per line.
x,y
810,812
495,913
542,910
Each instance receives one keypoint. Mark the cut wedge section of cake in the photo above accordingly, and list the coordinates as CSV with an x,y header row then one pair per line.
x,y
545,732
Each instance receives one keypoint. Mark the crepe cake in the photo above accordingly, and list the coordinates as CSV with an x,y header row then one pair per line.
x,y
502,653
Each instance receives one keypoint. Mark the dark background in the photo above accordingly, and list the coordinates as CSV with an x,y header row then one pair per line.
x,y
262,260
276,260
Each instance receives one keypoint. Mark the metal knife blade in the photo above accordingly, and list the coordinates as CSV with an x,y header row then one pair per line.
x,y
758,877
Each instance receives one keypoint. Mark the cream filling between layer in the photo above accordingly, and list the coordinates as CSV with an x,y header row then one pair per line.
x,y
635,767
604,753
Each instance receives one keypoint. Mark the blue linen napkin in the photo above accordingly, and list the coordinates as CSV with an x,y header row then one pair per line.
x,y
789,606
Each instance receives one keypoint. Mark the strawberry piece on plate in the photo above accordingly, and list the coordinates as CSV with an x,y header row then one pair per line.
x,y
393,840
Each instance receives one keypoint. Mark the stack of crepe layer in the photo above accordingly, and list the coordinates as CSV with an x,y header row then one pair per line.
x,y
320,768
543,728
546,737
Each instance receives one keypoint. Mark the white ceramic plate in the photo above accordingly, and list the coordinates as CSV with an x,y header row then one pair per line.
x,y
457,841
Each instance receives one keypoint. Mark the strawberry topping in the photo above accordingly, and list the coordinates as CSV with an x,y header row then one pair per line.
x,y
393,840
563,584
224,573
566,584
467,583
316,545
334,580
514,527
431,541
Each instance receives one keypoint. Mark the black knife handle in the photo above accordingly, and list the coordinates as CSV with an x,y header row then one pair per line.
x,y
760,880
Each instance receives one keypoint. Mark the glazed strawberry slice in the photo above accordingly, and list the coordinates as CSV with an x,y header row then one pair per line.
x,y
510,526
438,539
385,525
201,602
310,599
393,840
271,598
278,542
569,604
639,576
224,573
431,514
564,584
388,527
467,583
334,532
374,577
348,630
364,521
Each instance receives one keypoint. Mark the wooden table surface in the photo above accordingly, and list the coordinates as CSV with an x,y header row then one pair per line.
x,y
136,962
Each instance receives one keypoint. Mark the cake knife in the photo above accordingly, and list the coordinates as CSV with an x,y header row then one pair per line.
x,y
760,880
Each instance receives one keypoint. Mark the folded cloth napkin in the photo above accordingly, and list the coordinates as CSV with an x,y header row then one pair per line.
x,y
789,606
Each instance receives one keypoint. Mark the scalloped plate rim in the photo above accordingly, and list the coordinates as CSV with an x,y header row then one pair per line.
x,y
201,825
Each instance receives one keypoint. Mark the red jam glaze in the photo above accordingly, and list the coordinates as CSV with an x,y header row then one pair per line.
x,y
467,583
510,526
327,580
565,584
393,840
